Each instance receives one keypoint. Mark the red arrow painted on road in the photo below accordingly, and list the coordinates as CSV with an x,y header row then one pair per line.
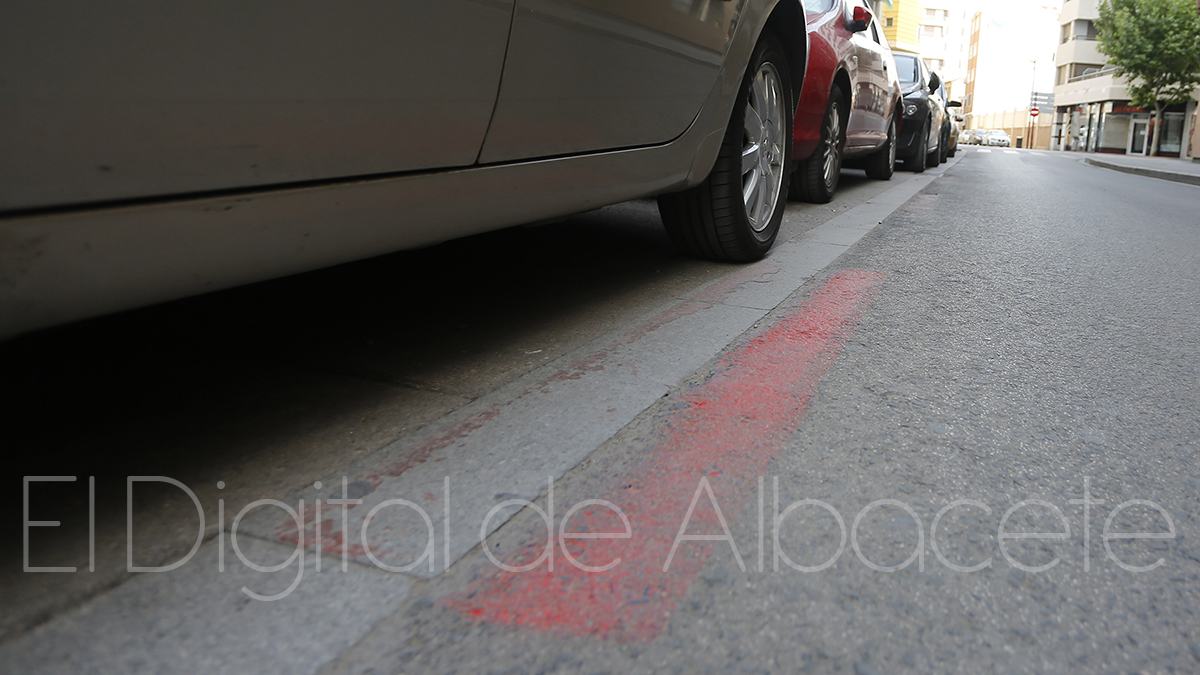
x,y
733,426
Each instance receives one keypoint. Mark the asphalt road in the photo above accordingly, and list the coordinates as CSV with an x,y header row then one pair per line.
x,y
1023,328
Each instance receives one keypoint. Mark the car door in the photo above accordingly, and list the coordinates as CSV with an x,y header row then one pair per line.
x,y
866,121
135,98
586,75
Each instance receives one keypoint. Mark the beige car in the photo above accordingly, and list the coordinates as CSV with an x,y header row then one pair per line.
x,y
151,150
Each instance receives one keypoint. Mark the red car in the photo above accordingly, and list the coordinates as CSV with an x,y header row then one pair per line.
x,y
850,104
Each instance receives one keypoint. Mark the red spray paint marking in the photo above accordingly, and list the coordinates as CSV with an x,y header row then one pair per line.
x,y
332,538
731,429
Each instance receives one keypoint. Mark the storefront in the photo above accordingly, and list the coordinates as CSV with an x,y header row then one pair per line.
x,y
1120,128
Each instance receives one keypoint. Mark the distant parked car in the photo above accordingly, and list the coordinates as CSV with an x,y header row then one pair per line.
x,y
955,127
999,137
924,126
970,136
849,108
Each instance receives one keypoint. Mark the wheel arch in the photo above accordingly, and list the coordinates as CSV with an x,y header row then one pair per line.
x,y
787,22
842,80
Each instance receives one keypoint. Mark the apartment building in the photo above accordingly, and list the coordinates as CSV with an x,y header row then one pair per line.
x,y
1093,112
901,21
945,36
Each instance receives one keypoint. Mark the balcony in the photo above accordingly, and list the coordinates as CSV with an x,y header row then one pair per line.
x,y
1102,85
1106,70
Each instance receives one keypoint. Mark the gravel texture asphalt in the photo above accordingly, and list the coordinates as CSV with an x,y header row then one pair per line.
x,y
1037,336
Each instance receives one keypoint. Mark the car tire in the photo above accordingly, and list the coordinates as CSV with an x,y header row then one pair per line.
x,y
916,163
881,164
944,147
815,179
726,217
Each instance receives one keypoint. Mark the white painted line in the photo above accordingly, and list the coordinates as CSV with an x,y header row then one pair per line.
x,y
983,150
1011,152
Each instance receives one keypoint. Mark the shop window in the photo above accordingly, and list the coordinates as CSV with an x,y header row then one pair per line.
x,y
1171,140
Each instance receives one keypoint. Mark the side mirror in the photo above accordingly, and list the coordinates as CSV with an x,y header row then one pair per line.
x,y
861,19
954,104
934,81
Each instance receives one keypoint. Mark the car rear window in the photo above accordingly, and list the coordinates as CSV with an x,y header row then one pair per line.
x,y
906,69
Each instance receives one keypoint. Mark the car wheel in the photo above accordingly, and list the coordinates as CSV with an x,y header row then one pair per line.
x,y
816,178
916,163
935,155
882,163
944,148
735,213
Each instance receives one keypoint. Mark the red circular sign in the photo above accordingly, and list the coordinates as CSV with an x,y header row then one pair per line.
x,y
1033,112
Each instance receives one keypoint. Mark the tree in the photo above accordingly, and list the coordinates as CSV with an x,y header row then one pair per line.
x,y
1155,44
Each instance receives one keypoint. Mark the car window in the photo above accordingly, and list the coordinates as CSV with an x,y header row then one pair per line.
x,y
818,6
875,32
908,68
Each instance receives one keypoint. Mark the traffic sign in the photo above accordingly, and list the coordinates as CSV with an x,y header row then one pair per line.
x,y
1033,112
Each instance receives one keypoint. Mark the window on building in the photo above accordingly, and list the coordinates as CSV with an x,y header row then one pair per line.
x,y
931,13
889,22
1079,29
931,31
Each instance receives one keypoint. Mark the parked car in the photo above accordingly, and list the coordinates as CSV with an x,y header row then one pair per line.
x,y
849,108
955,122
969,137
151,156
999,137
924,124
955,133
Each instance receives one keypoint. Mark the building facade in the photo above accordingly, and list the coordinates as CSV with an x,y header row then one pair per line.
x,y
945,36
901,22
1093,112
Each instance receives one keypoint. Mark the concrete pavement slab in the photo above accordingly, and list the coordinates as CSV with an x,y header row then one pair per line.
x,y
196,619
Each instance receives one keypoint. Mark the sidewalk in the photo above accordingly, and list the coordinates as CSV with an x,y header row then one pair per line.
x,y
1166,168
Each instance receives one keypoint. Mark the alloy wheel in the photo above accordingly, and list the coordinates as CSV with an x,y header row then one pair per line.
x,y
762,150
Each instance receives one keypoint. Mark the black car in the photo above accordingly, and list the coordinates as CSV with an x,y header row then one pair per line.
x,y
923,134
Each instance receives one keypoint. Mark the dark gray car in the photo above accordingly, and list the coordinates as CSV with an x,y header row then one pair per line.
x,y
924,125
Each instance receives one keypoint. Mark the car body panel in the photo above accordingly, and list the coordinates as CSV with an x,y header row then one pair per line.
x,y
131,98
625,73
64,264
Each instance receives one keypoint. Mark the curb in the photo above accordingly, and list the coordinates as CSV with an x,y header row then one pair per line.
x,y
1191,179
